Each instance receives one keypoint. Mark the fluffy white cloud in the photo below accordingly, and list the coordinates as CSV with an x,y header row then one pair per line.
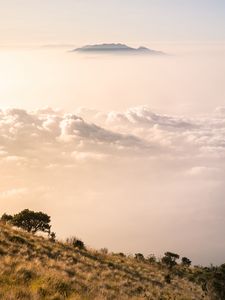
x,y
44,134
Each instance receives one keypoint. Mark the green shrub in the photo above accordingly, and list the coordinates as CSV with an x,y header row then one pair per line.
x,y
151,259
169,259
73,241
139,256
186,261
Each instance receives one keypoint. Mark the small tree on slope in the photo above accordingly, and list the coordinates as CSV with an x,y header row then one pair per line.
x,y
32,221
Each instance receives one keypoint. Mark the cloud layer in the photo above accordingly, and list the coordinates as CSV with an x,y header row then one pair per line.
x,y
46,133
161,177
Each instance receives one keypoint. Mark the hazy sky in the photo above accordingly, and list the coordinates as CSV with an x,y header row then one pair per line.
x,y
135,21
134,158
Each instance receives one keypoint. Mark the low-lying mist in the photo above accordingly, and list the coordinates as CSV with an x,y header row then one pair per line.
x,y
189,79
135,180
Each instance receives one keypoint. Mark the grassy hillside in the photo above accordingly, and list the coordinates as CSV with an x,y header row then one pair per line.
x,y
32,267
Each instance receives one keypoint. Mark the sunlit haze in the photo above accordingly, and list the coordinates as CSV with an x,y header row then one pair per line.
x,y
125,151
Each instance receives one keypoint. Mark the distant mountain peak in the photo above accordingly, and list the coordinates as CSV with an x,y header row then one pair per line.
x,y
115,48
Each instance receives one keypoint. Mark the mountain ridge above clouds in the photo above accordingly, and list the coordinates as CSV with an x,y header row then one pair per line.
x,y
116,48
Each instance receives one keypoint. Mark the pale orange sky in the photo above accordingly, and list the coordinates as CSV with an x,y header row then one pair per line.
x,y
91,21
124,152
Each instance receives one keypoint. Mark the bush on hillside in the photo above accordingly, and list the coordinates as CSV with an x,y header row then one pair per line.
x,y
186,261
151,259
170,259
76,243
52,236
139,256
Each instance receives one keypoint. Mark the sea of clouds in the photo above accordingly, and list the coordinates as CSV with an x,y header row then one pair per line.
x,y
161,177
50,136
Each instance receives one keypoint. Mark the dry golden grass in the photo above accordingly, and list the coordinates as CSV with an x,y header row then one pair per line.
x,y
32,267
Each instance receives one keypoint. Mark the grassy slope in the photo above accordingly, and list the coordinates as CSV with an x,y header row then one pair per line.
x,y
32,267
